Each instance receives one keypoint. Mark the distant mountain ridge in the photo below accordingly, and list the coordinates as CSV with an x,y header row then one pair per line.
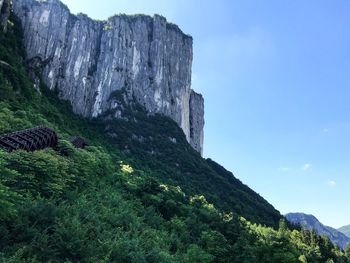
x,y
345,230
311,222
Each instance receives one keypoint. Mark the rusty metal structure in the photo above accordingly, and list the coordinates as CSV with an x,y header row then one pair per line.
x,y
78,142
30,140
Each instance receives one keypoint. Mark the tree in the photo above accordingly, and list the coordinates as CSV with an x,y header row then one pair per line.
x,y
347,251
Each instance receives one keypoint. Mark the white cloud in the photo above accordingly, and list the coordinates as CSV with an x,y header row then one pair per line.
x,y
332,183
306,167
283,168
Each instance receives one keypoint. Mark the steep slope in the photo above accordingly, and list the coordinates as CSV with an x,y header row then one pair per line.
x,y
311,222
345,230
134,49
87,61
153,142
107,204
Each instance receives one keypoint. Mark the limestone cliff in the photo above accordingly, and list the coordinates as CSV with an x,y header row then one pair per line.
x,y
146,58
196,121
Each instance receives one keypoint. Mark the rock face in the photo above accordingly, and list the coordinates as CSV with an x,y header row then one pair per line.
x,y
144,58
4,13
196,121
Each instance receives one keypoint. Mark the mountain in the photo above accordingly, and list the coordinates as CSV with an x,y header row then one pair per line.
x,y
345,230
99,66
142,48
312,223
137,192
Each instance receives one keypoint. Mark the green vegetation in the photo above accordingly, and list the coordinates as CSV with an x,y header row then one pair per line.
x,y
134,195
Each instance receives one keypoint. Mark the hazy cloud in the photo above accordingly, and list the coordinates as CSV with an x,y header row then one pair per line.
x,y
306,167
332,183
283,168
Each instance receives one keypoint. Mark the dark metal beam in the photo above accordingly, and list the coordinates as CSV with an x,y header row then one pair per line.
x,y
29,140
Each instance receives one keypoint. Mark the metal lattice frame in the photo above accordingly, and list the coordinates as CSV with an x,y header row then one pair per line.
x,y
30,140
78,142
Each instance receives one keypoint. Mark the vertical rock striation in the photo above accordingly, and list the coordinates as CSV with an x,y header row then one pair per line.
x,y
5,6
196,121
88,61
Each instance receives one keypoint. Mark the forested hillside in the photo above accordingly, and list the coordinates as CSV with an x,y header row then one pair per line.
x,y
311,222
138,193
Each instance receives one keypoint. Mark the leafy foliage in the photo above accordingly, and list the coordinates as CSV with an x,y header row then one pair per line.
x,y
134,195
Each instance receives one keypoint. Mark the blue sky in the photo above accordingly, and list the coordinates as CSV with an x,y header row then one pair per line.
x,y
276,82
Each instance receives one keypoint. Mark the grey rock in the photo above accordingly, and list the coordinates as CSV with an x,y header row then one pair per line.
x,y
5,6
196,121
88,61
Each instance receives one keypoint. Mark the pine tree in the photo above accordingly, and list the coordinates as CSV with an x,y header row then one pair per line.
x,y
347,251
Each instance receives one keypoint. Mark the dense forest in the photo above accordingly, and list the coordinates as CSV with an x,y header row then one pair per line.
x,y
137,193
